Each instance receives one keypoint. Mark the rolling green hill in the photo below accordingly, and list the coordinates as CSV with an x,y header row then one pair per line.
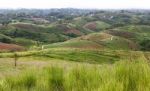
x,y
140,34
27,34
74,50
126,30
98,41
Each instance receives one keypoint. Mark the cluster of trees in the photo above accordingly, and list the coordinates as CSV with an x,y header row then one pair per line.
x,y
115,17
48,14
145,45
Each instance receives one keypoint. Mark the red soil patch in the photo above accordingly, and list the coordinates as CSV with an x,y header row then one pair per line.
x,y
67,30
73,31
10,47
133,46
91,25
124,34
27,27
62,27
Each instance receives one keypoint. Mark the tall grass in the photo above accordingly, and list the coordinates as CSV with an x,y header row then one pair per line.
x,y
23,82
56,79
133,76
122,76
83,79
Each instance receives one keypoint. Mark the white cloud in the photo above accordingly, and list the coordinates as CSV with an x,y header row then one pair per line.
x,y
75,4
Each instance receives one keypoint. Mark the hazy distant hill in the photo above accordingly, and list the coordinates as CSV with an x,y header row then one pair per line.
x,y
34,27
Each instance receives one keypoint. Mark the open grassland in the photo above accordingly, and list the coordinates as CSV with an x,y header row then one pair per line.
x,y
74,50
121,76
67,69
81,55
101,40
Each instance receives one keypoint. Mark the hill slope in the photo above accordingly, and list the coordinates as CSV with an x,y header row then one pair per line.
x,y
98,40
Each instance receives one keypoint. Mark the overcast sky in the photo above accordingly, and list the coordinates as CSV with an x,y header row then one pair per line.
x,y
96,4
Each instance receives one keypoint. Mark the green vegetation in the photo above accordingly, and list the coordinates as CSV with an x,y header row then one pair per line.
x,y
98,41
129,28
74,50
76,55
122,76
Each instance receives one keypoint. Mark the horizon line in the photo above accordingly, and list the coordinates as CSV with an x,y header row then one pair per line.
x,y
78,8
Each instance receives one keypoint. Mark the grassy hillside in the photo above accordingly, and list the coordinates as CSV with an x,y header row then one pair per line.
x,y
96,26
98,40
39,33
82,69
129,28
82,55
32,32
75,69
74,50
140,34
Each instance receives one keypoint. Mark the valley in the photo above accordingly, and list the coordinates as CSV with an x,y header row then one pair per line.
x,y
74,50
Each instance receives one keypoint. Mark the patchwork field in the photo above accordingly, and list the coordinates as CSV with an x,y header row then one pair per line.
x,y
74,50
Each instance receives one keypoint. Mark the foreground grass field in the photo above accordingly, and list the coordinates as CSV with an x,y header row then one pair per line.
x,y
66,69
82,55
122,76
